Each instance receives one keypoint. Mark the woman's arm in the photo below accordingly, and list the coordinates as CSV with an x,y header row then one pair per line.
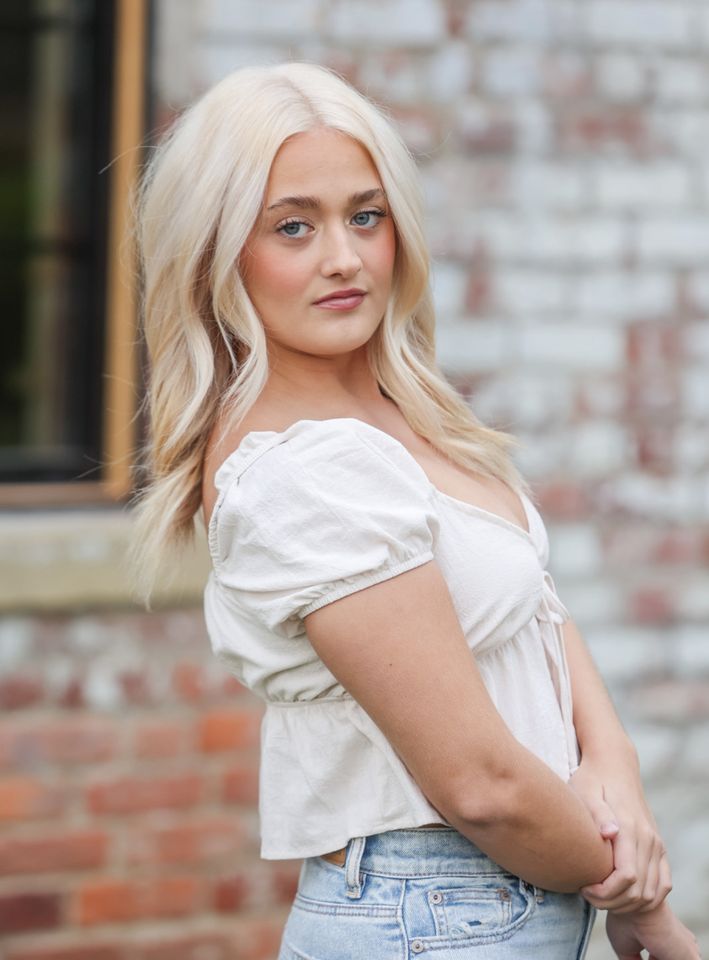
x,y
609,782
398,648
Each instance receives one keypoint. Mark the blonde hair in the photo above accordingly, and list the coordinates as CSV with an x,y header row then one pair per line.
x,y
198,200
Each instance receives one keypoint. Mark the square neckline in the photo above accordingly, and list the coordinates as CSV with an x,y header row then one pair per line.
x,y
454,501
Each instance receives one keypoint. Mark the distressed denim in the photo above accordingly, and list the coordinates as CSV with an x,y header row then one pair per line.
x,y
407,893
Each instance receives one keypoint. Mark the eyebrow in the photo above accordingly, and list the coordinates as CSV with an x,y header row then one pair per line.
x,y
310,203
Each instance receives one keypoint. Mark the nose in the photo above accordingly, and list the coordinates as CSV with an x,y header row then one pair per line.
x,y
340,256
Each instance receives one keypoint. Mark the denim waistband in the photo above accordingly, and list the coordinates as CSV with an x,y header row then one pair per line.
x,y
420,852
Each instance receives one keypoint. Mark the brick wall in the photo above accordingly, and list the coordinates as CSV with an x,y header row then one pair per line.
x,y
563,149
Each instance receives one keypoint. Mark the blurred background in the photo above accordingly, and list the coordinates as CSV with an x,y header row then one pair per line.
x,y
563,146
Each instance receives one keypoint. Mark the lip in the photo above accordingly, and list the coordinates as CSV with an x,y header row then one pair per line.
x,y
342,299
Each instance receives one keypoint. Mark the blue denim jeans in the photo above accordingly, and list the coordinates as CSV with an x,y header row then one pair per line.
x,y
405,893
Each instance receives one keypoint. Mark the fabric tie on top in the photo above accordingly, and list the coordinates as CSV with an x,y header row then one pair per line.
x,y
552,614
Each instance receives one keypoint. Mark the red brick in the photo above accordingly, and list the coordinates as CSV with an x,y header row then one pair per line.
x,y
208,946
229,729
75,951
71,851
651,605
160,738
217,839
256,938
594,127
240,784
284,881
563,501
26,798
132,795
233,687
20,912
232,893
125,901
17,691
188,681
79,740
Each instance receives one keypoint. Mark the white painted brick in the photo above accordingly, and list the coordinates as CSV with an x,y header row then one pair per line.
x,y
675,498
658,748
603,396
511,71
638,22
623,295
536,186
695,753
450,71
698,290
681,80
412,23
684,132
627,654
695,391
692,598
621,77
535,127
576,548
690,651
396,80
217,60
448,284
590,602
15,641
690,447
623,186
285,19
573,347
526,291
470,346
540,454
529,21
599,447
677,240
597,241
691,850
536,401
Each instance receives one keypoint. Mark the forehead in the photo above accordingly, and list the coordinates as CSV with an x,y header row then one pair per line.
x,y
319,160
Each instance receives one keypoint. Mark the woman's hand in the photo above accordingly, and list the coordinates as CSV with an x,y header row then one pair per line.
x,y
658,931
641,877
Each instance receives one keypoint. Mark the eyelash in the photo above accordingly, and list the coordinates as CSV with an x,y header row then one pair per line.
x,y
374,211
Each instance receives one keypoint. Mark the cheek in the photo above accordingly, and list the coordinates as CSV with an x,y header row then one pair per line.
x,y
273,275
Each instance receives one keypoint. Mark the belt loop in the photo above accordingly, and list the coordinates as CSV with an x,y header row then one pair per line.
x,y
353,859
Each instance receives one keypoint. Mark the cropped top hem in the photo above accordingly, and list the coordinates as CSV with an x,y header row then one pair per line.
x,y
337,841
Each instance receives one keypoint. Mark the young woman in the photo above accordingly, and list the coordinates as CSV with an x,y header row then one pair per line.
x,y
437,745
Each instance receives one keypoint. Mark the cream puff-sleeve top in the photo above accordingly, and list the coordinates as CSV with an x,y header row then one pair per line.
x,y
314,513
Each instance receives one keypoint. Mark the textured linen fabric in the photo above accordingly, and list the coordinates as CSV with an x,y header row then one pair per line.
x,y
311,514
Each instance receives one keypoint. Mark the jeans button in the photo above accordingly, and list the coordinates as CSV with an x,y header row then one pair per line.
x,y
416,946
436,897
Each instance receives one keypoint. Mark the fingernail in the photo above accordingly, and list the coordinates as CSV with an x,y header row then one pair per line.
x,y
610,826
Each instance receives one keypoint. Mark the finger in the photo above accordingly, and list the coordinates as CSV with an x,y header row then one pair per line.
x,y
664,885
624,873
643,890
603,817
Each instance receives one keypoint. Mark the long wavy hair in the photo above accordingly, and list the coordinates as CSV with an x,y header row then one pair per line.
x,y
196,204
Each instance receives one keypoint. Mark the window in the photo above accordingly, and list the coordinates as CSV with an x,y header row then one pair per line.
x,y
73,99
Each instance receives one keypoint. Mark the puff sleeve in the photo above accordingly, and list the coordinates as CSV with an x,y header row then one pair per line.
x,y
313,515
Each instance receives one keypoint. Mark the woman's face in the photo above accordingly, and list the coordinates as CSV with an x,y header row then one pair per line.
x,y
318,264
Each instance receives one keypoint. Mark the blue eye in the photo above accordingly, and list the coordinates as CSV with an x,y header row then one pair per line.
x,y
292,228
371,218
